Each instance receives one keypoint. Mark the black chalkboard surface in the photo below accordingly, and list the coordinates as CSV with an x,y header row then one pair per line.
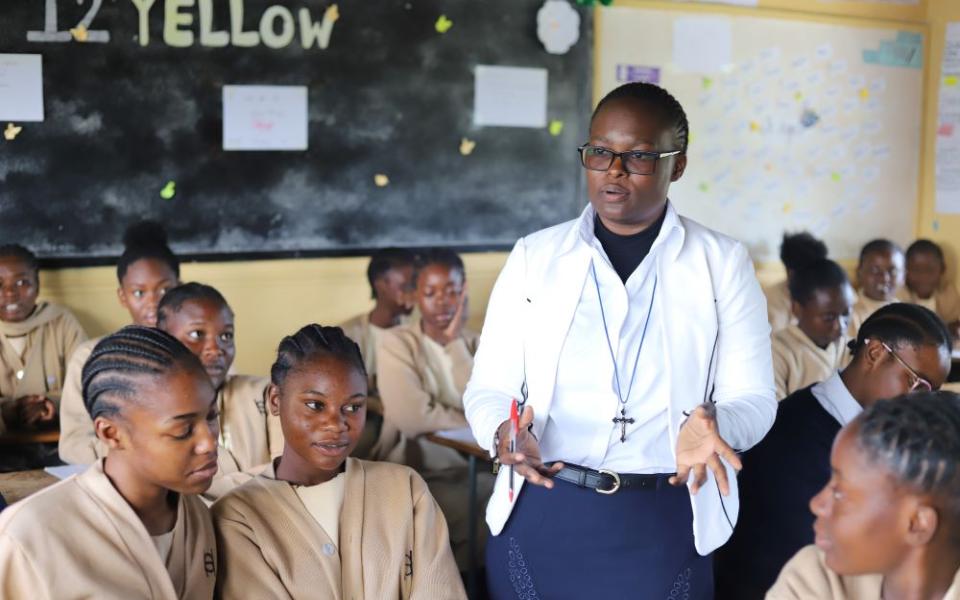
x,y
388,95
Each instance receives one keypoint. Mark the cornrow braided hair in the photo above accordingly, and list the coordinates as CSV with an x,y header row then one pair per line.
x,y
311,341
172,301
110,375
900,324
20,253
658,98
918,439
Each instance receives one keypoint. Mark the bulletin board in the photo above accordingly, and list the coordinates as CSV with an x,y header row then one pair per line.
x,y
795,124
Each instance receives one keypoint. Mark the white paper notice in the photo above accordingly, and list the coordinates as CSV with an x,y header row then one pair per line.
x,y
21,87
264,117
510,97
702,44
948,125
733,2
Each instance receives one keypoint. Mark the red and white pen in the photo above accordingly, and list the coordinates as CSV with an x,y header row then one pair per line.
x,y
514,428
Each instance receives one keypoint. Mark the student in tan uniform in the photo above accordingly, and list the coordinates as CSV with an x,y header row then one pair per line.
x,y
816,347
879,273
147,269
319,524
927,285
797,250
888,521
36,339
130,526
390,274
424,367
199,316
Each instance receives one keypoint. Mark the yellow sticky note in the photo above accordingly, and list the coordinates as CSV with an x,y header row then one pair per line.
x,y
169,190
951,80
381,180
836,176
798,96
11,132
706,82
467,146
332,13
864,93
754,126
443,24
787,208
556,127
704,187
79,33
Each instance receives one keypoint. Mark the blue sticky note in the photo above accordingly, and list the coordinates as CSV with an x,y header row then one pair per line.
x,y
910,38
871,57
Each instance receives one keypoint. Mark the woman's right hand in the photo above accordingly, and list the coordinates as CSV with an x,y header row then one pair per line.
x,y
526,458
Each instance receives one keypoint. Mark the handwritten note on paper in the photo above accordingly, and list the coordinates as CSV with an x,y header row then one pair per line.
x,y
702,44
264,117
510,97
947,166
21,87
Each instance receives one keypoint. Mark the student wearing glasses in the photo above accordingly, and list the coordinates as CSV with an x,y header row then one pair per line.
x,y
642,340
900,349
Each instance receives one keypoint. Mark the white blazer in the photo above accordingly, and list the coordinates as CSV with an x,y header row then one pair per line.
x,y
709,295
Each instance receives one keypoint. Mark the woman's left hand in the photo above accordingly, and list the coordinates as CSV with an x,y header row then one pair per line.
x,y
699,446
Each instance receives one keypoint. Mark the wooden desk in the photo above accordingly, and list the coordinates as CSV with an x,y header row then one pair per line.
x,y
462,441
20,484
30,437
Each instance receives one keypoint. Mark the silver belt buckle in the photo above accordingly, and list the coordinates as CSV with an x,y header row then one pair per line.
x,y
616,482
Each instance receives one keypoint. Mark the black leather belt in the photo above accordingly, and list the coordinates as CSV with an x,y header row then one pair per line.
x,y
608,482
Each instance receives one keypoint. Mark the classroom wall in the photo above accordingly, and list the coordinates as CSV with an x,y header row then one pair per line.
x,y
271,298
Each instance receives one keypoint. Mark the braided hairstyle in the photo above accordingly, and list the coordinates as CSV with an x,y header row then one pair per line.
x,y
917,438
172,301
386,259
658,99
109,376
821,274
313,341
18,252
878,245
902,324
797,250
146,239
444,257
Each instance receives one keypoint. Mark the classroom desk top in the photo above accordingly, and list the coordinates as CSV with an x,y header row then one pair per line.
x,y
20,484
30,437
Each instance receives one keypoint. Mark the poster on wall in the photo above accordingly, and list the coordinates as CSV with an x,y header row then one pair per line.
x,y
948,125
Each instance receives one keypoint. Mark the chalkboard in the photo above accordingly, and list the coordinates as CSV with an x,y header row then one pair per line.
x,y
389,94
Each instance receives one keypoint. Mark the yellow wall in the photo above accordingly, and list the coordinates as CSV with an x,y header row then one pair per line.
x,y
271,298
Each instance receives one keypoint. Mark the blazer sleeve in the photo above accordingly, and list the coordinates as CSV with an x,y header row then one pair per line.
x,y
405,403
743,386
498,365
781,370
78,443
243,572
435,572
20,576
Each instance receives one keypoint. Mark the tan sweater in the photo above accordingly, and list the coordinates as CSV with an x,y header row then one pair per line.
x,y
863,308
78,443
393,541
99,548
807,577
779,306
946,301
798,362
53,334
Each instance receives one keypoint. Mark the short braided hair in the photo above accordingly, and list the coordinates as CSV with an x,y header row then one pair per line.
x,y
917,438
660,100
172,301
110,375
311,341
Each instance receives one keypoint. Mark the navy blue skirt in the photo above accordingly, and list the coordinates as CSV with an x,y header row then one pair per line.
x,y
571,542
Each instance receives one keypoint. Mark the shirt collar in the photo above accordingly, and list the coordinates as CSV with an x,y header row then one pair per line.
x,y
585,226
835,398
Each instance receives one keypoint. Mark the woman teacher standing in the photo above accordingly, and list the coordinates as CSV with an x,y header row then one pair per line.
x,y
642,339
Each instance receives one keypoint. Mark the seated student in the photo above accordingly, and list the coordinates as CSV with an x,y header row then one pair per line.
x,y
199,316
927,286
36,339
879,273
319,524
797,250
390,274
901,348
129,526
147,269
423,371
888,521
816,346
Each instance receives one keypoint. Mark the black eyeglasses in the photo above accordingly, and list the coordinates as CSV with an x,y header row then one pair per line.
x,y
635,162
